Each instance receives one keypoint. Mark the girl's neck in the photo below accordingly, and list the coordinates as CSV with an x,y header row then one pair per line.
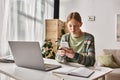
x,y
80,33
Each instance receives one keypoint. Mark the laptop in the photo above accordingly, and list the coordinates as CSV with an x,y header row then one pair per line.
x,y
28,54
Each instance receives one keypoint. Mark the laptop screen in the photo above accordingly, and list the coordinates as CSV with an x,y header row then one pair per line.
x,y
28,54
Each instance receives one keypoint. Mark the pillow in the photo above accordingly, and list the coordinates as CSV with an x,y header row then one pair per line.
x,y
108,61
115,53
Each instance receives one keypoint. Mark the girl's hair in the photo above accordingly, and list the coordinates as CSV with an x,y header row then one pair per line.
x,y
74,15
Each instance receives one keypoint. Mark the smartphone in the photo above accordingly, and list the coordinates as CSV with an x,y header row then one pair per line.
x,y
64,44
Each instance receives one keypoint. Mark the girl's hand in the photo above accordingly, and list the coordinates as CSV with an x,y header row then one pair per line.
x,y
69,52
62,52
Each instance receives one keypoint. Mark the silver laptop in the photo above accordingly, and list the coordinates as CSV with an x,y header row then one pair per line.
x,y
28,54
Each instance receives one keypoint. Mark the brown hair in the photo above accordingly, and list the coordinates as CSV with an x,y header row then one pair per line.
x,y
74,15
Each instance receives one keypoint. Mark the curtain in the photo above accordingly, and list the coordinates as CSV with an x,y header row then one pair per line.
x,y
21,20
3,27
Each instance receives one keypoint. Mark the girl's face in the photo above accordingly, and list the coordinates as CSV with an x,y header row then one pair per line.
x,y
74,27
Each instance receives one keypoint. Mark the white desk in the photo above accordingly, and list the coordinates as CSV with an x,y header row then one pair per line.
x,y
19,73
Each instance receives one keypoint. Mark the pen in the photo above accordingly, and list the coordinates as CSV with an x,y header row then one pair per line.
x,y
58,76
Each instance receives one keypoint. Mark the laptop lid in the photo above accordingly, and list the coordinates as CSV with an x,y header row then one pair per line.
x,y
28,54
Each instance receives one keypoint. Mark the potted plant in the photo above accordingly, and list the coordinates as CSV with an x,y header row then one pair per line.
x,y
47,50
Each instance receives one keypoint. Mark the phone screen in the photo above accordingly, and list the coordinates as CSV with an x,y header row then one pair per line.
x,y
64,44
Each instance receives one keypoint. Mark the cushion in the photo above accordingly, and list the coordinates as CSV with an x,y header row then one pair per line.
x,y
108,61
117,57
115,53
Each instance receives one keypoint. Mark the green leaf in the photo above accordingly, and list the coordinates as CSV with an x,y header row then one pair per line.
x,y
44,45
52,57
49,46
47,53
62,31
50,43
43,55
53,53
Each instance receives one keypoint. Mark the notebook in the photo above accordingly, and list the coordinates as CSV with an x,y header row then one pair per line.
x,y
80,72
28,54
7,59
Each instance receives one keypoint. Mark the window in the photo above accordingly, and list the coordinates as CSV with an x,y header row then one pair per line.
x,y
24,20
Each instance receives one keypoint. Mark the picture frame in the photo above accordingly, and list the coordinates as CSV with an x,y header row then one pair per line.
x,y
91,18
118,27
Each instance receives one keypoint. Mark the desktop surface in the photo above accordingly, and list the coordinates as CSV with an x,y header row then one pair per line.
x,y
20,73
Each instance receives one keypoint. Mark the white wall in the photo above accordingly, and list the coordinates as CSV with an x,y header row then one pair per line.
x,y
103,28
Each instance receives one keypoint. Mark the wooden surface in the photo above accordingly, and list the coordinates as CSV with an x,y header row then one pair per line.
x,y
53,30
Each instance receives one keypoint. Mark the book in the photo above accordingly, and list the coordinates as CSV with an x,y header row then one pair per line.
x,y
7,59
80,72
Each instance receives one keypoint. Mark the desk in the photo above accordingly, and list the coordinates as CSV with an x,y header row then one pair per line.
x,y
19,73
5,77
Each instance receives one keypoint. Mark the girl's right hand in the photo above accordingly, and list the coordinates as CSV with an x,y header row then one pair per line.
x,y
62,52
